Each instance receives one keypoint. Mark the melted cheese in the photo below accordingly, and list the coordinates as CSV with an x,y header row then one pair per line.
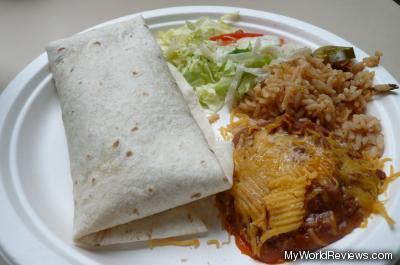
x,y
271,177
273,171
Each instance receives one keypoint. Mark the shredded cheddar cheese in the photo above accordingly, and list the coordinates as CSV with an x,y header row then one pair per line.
x,y
213,242
228,241
271,180
274,168
213,118
174,242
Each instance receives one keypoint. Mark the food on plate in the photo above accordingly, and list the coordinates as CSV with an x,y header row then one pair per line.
x,y
216,57
334,54
297,187
307,158
213,117
138,156
306,164
306,87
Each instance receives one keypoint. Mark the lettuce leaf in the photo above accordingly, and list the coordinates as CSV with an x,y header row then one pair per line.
x,y
211,69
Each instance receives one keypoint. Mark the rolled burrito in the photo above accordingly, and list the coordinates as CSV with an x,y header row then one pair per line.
x,y
138,157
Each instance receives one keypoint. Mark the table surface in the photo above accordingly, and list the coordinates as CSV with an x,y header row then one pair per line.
x,y
26,26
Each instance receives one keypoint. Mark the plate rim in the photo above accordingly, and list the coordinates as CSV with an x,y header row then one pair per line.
x,y
11,92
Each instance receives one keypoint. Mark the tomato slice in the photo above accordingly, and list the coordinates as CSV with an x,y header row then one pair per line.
x,y
226,39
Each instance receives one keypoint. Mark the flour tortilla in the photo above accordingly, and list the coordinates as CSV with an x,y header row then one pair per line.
x,y
137,155
222,149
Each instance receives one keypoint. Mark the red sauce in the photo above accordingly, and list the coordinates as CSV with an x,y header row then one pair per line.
x,y
243,245
330,215
330,203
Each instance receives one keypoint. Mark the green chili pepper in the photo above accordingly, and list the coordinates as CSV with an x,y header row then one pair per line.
x,y
334,54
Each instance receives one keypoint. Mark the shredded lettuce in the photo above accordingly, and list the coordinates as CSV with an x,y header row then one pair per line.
x,y
211,69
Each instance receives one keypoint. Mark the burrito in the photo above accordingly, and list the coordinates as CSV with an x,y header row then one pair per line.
x,y
139,159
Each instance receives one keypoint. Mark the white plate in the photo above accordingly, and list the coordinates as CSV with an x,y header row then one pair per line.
x,y
36,192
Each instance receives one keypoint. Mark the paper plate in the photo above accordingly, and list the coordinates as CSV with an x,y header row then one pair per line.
x,y
36,206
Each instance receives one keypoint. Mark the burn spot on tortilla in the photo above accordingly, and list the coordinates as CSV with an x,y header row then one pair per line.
x,y
202,162
93,180
189,216
225,179
88,157
129,153
195,195
145,94
61,49
150,189
100,83
72,69
97,245
80,83
76,182
115,144
134,73
135,211
134,129
130,35
212,151
146,26
98,43
72,111
183,260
